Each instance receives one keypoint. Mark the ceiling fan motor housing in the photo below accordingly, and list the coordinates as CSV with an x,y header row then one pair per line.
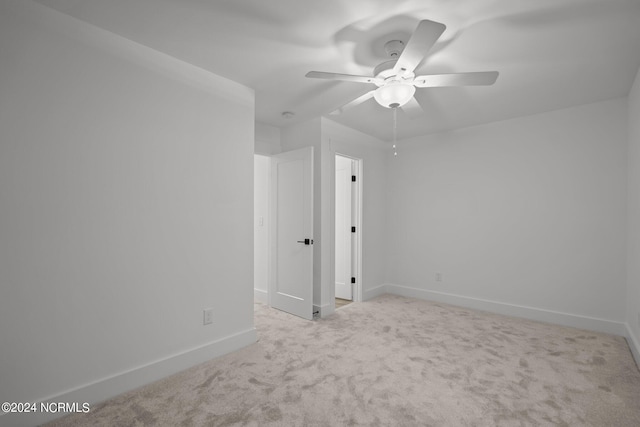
x,y
385,69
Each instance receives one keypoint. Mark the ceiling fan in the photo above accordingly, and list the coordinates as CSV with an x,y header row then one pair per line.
x,y
395,78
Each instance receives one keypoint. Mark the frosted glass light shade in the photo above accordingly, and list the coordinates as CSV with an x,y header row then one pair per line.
x,y
394,94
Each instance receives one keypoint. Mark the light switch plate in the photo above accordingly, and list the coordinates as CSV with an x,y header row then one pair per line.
x,y
208,316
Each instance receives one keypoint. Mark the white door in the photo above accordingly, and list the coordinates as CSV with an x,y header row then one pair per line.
x,y
292,242
343,250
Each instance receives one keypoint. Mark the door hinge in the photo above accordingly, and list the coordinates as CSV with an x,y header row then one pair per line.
x,y
353,229
353,280
353,178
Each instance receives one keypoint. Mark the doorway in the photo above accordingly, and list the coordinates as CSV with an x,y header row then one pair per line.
x,y
283,231
347,230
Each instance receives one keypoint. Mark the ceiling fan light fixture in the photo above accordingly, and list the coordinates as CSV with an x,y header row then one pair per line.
x,y
394,94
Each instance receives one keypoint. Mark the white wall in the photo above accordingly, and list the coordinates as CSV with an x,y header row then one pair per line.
x,y
529,212
261,224
267,140
267,143
633,259
125,210
372,152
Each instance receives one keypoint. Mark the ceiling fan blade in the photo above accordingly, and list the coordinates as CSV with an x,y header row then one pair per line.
x,y
344,77
481,78
412,108
359,100
424,37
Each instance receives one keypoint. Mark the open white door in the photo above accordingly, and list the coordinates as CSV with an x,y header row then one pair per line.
x,y
343,224
292,243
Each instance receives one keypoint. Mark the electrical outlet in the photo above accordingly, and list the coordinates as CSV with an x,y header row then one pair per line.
x,y
438,277
208,316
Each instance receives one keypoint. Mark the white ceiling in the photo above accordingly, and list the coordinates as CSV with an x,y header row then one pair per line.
x,y
550,54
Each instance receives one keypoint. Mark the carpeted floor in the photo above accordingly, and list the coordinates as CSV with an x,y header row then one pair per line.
x,y
395,361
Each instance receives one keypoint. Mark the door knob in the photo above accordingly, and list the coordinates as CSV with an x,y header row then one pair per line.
x,y
306,241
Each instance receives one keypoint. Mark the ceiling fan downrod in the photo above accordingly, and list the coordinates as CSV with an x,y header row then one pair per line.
x,y
394,48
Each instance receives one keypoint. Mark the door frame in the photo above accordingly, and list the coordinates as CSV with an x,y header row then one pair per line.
x,y
356,195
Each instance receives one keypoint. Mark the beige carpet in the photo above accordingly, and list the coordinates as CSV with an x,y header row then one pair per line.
x,y
395,361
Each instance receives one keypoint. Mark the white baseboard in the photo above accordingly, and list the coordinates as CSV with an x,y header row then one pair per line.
x,y
375,292
261,296
109,387
531,313
324,310
634,344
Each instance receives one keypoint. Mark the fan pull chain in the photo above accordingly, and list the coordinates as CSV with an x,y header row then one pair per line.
x,y
395,126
